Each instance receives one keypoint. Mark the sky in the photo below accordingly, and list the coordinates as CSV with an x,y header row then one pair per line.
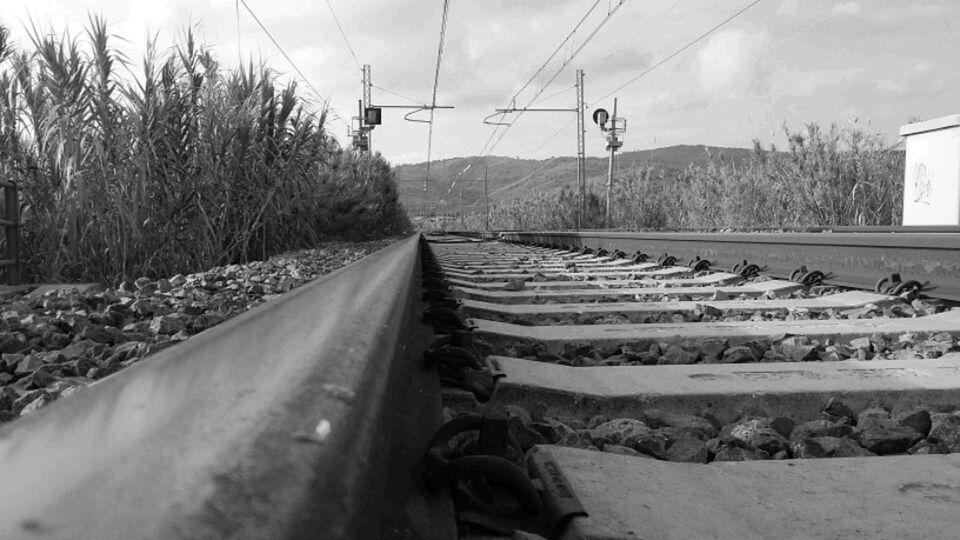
x,y
872,64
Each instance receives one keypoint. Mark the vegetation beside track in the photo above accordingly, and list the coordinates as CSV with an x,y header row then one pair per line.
x,y
188,166
826,177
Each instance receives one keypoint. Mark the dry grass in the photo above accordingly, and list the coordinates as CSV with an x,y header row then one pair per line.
x,y
824,178
190,166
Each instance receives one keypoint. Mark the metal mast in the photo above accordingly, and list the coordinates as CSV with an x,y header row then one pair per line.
x,y
581,152
367,101
581,138
486,200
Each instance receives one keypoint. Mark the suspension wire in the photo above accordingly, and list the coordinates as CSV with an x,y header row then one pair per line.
x,y
343,34
544,164
557,50
646,23
433,101
538,169
555,94
794,35
534,151
326,101
672,55
609,15
540,70
236,7
775,45
397,94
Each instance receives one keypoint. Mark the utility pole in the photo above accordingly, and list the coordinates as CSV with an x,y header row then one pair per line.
x,y
461,205
581,153
486,201
367,83
368,116
371,116
581,138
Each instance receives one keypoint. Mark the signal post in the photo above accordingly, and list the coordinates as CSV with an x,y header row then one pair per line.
x,y
600,117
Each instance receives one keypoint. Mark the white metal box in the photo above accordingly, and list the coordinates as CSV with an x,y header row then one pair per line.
x,y
931,182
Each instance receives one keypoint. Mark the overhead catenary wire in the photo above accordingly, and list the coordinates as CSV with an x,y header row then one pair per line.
x,y
343,34
677,52
555,94
596,29
237,10
646,23
326,101
668,58
397,94
555,51
844,10
534,151
537,100
540,70
436,83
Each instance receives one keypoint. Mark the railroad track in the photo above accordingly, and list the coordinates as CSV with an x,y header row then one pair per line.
x,y
475,387
673,399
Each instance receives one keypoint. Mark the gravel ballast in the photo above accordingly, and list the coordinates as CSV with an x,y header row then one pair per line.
x,y
781,348
54,345
839,432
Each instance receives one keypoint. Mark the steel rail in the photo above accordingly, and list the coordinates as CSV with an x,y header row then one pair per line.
x,y
305,417
855,257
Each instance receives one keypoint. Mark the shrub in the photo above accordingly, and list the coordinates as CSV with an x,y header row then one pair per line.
x,y
824,178
188,166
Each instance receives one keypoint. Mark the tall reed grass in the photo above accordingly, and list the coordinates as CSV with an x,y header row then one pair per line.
x,y
823,178
172,165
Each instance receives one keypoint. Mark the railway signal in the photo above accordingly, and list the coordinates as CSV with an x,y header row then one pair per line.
x,y
600,117
371,116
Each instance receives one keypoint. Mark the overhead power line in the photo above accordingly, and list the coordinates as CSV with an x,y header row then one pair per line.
x,y
674,54
557,93
343,34
488,148
538,72
534,151
326,101
443,33
397,94
645,24
555,51
436,83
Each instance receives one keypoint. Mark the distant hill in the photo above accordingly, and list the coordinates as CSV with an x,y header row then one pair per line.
x,y
509,178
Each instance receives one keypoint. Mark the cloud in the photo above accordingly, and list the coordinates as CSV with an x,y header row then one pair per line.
x,y
890,87
788,7
728,59
848,8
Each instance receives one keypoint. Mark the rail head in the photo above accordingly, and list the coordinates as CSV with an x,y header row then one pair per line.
x,y
269,425
854,257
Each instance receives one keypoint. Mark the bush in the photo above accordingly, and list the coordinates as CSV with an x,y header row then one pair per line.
x,y
824,178
190,166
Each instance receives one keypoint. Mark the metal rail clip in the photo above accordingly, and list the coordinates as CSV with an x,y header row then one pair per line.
x,y
493,491
461,366
808,277
894,285
747,270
